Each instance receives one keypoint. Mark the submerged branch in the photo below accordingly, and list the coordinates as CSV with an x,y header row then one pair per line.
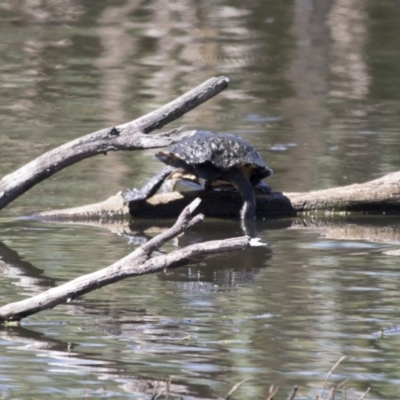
x,y
128,136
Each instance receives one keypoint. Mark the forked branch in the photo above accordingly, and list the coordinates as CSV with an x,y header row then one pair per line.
x,y
135,264
129,136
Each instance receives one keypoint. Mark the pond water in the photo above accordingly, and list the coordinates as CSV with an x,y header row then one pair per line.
x,y
315,87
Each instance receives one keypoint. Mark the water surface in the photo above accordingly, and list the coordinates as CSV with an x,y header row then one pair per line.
x,y
314,86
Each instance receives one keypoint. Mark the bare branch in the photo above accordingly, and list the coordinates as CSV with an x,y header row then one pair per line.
x,y
273,392
136,263
328,375
362,397
128,136
235,387
292,395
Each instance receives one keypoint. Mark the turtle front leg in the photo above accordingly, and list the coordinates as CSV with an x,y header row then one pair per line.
x,y
150,188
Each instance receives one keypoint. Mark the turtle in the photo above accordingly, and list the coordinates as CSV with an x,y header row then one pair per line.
x,y
213,161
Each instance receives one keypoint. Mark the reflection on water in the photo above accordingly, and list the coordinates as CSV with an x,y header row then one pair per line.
x,y
280,316
314,86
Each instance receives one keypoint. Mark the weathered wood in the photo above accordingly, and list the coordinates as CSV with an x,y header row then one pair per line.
x,y
379,195
128,136
112,208
136,263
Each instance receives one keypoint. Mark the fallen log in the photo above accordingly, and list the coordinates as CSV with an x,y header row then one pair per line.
x,y
169,205
129,136
377,196
139,262
380,195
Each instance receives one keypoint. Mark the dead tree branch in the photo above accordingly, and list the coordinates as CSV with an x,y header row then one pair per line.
x,y
136,263
128,136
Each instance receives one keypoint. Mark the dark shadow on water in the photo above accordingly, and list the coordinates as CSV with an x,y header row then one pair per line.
x,y
12,265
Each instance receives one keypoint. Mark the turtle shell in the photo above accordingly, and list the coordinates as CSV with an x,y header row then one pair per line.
x,y
211,156
223,151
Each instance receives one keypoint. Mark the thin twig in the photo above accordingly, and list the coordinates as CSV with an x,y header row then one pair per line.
x,y
293,394
235,388
364,394
331,394
331,370
273,393
341,384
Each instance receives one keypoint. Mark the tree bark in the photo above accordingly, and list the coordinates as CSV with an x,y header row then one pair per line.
x,y
136,263
128,136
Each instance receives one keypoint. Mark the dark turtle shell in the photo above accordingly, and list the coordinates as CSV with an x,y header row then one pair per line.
x,y
222,151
